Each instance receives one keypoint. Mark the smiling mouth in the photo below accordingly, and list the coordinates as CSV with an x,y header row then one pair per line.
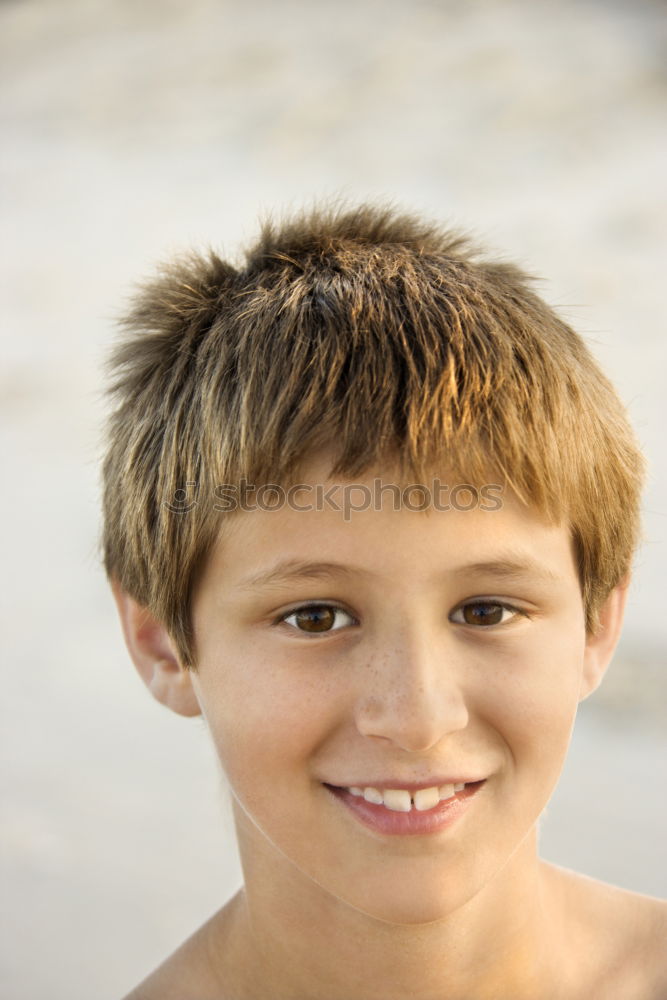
x,y
410,800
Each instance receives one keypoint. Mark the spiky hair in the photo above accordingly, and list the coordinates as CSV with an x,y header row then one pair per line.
x,y
372,333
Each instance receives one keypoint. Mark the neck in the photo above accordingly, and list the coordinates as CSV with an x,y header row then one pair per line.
x,y
299,940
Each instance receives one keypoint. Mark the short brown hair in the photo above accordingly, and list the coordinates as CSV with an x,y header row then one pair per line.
x,y
378,332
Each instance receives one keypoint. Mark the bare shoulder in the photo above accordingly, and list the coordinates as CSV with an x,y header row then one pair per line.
x,y
182,976
188,974
622,936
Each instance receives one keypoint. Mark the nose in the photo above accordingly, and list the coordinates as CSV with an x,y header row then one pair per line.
x,y
412,694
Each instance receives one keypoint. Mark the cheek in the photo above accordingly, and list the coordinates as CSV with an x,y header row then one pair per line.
x,y
266,720
532,699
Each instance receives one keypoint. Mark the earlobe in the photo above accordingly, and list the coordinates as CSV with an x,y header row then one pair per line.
x,y
600,646
154,655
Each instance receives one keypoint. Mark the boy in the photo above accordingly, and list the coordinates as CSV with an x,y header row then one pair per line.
x,y
370,508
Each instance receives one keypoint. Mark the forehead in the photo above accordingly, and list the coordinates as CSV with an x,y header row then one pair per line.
x,y
377,525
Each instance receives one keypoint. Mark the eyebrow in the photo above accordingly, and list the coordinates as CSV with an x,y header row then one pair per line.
x,y
289,570
510,569
298,569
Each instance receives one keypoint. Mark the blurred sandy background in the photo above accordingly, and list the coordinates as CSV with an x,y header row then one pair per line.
x,y
131,129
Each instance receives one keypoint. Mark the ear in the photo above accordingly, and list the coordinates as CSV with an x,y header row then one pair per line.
x,y
600,646
154,655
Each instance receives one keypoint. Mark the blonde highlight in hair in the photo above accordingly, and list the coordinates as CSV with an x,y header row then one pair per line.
x,y
375,334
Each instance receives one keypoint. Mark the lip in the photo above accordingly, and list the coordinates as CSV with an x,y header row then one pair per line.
x,y
387,822
409,786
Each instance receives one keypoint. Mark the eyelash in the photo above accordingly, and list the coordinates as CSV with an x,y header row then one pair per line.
x,y
518,612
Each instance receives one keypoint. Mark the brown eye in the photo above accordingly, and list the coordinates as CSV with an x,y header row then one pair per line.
x,y
315,618
484,613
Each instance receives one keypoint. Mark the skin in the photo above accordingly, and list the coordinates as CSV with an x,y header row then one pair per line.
x,y
405,684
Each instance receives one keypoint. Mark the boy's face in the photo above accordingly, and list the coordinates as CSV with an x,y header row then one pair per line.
x,y
409,683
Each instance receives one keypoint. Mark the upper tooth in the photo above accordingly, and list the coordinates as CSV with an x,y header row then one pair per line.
x,y
400,800
426,798
397,799
373,795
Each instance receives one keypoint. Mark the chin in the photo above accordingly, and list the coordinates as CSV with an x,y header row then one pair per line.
x,y
409,909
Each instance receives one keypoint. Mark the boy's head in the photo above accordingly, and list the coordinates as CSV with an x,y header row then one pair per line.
x,y
376,338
